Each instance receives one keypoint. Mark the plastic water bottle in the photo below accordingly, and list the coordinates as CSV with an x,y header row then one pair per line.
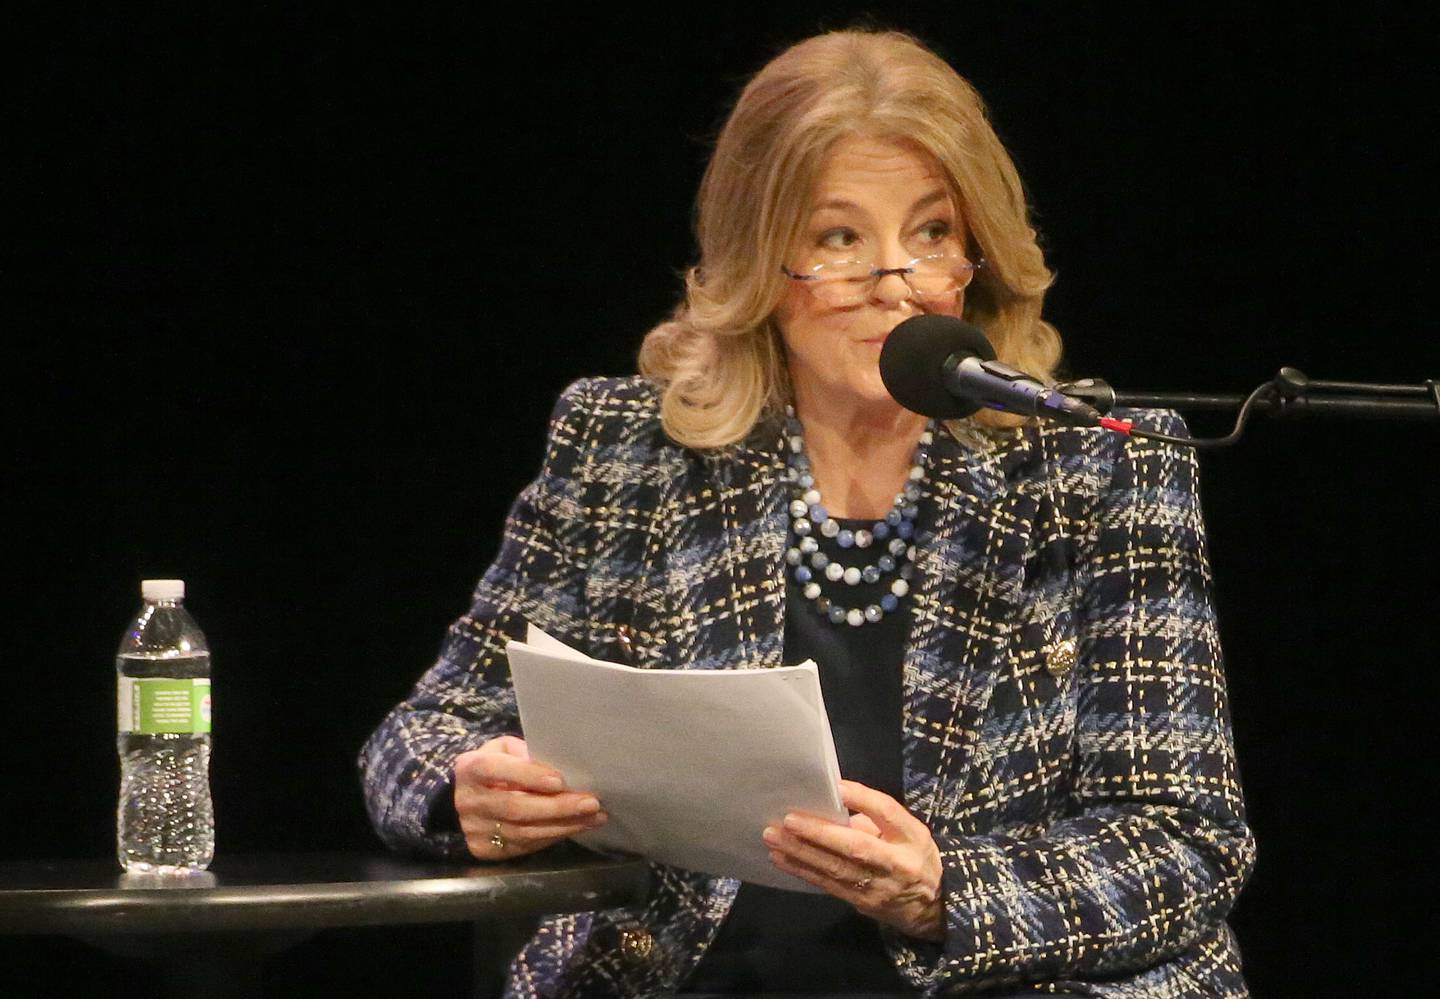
x,y
165,822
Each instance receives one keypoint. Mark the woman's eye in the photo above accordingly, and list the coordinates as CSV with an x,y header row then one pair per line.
x,y
935,231
839,239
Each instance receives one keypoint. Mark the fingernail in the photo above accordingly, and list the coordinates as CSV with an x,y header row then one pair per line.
x,y
599,819
552,783
771,835
589,805
792,822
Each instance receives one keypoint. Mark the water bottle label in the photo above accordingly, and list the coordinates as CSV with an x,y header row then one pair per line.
x,y
155,705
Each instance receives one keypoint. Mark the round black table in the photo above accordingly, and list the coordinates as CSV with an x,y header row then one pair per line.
x,y
207,934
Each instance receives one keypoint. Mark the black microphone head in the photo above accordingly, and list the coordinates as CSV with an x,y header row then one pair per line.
x,y
914,355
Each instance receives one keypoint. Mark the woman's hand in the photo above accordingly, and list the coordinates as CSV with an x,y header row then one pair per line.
x,y
510,805
885,862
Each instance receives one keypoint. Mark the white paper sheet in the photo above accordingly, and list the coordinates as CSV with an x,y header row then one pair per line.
x,y
690,765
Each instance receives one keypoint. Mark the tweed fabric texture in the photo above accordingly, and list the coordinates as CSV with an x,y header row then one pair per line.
x,y
1091,824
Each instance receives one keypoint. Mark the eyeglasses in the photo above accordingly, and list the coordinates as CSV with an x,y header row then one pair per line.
x,y
851,282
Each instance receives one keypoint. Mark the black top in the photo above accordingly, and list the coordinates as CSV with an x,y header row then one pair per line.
x,y
784,941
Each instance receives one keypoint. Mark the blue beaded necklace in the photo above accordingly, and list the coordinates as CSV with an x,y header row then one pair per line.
x,y
890,536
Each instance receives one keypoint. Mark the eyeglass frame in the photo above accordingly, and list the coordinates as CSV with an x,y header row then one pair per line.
x,y
878,273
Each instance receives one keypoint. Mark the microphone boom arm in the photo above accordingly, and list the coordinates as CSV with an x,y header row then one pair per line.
x,y
1290,394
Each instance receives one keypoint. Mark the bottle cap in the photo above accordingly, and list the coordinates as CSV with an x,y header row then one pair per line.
x,y
162,589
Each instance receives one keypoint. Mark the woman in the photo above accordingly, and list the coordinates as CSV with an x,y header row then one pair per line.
x,y
1012,622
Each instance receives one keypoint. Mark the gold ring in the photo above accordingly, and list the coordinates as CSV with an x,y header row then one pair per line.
x,y
497,838
863,883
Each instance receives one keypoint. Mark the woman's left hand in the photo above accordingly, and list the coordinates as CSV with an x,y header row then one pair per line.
x,y
885,862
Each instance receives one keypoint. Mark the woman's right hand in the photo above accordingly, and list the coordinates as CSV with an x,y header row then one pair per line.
x,y
510,805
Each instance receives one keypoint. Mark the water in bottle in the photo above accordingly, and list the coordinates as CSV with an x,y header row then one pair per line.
x,y
165,822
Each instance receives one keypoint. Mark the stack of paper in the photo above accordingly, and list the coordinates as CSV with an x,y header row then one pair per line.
x,y
691,765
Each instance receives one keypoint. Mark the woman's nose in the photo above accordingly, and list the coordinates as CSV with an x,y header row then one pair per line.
x,y
891,287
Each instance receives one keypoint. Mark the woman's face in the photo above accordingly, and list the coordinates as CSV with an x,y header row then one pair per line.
x,y
879,200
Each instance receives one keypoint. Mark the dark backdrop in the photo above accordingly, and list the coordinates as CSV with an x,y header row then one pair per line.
x,y
288,297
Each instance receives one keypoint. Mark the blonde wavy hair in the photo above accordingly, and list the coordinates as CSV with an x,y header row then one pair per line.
x,y
720,358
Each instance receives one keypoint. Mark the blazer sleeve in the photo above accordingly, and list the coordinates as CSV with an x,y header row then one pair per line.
x,y
466,697
1153,846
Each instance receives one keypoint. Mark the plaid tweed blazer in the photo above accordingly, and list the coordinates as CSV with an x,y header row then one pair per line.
x,y
1090,824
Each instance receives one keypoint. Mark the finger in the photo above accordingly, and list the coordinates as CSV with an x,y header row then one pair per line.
x,y
509,745
859,847
843,890
864,823
837,865
529,835
889,816
525,807
495,768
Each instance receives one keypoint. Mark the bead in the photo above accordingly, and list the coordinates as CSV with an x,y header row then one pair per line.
x,y
810,520
910,553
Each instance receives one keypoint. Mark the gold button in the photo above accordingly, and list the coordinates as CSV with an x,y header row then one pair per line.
x,y
626,643
1060,659
636,945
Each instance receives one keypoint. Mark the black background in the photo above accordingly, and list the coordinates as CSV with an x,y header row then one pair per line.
x,y
288,295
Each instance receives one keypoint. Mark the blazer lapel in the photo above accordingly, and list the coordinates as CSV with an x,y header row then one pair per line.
x,y
969,571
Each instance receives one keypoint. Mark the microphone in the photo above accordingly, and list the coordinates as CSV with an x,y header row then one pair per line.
x,y
942,367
